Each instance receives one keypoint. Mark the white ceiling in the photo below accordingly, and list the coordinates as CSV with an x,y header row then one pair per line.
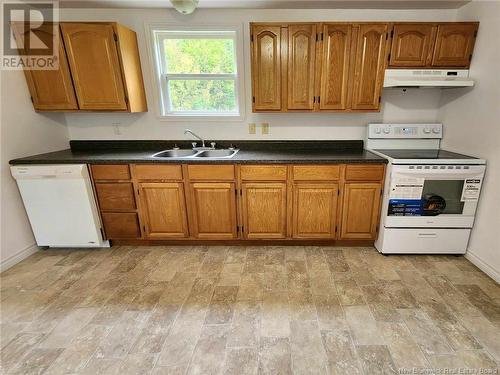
x,y
274,4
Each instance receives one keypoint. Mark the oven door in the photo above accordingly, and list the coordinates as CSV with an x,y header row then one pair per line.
x,y
439,196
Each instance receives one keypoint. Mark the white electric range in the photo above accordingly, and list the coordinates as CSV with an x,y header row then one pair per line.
x,y
430,195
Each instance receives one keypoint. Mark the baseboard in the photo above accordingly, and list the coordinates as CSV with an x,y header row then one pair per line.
x,y
14,259
487,269
278,242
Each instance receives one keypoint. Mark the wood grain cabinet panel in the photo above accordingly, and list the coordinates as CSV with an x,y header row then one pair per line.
x,y
364,172
360,210
211,172
301,66
264,210
411,44
266,67
95,65
213,210
370,59
157,172
454,44
119,225
49,89
163,210
110,171
315,210
115,196
335,67
263,172
316,172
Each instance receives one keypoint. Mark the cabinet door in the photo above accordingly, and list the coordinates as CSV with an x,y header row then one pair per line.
x,y
264,210
301,61
454,44
266,67
163,210
213,210
360,210
315,210
411,44
335,66
49,89
95,66
369,66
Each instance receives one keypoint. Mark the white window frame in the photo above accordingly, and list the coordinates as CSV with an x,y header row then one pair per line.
x,y
159,32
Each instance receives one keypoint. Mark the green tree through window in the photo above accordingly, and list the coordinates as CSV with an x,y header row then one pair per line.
x,y
200,73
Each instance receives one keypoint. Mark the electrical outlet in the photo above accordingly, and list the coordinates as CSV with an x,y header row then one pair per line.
x,y
116,128
251,128
265,128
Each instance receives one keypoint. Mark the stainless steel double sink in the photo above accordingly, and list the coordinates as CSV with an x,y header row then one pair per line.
x,y
197,154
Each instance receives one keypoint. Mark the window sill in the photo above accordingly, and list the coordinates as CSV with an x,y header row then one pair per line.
x,y
201,118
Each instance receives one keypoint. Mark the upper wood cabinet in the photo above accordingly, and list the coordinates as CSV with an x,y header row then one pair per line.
x,y
163,209
49,89
335,66
369,65
454,44
301,66
94,62
99,70
266,67
106,75
320,67
411,44
432,45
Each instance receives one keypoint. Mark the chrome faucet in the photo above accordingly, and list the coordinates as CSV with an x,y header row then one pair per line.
x,y
186,131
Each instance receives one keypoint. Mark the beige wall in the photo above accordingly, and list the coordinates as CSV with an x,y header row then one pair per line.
x,y
472,126
23,133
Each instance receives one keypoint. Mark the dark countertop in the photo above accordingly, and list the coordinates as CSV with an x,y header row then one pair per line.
x,y
266,152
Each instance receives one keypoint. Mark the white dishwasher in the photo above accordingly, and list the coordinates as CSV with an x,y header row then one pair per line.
x,y
60,204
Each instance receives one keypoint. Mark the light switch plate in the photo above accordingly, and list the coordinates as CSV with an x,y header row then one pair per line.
x,y
265,128
251,128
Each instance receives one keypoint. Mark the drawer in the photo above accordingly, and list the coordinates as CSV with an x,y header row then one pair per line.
x,y
364,172
121,225
263,172
110,172
157,172
115,196
316,172
211,172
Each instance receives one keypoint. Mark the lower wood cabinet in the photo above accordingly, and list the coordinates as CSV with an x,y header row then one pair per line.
x,y
315,210
163,209
360,210
249,202
264,209
118,225
213,210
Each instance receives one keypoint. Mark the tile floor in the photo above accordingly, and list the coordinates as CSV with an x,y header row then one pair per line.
x,y
246,310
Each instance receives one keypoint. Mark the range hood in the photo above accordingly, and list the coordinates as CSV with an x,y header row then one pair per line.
x,y
439,78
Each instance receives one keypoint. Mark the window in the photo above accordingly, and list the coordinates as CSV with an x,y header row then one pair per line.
x,y
198,72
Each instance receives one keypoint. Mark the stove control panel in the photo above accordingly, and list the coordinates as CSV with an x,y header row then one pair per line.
x,y
405,131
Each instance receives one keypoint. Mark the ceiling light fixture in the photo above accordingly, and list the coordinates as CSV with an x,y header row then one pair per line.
x,y
185,6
